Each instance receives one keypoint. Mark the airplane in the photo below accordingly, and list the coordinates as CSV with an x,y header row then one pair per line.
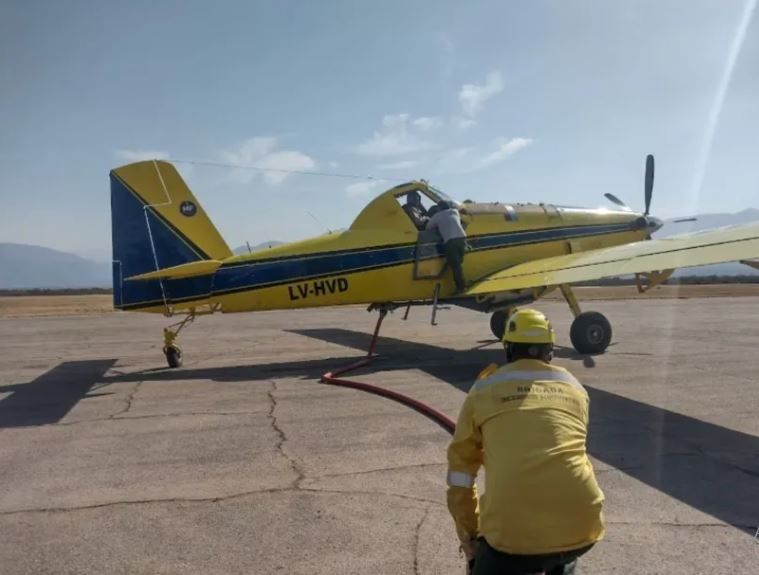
x,y
169,258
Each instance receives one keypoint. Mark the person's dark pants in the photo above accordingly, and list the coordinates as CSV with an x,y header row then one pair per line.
x,y
454,253
489,561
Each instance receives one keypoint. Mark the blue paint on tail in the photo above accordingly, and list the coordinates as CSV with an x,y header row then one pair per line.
x,y
134,253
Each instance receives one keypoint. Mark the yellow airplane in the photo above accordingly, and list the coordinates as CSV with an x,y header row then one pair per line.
x,y
170,259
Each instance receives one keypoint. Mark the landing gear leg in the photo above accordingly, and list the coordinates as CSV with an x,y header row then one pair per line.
x,y
435,305
591,331
171,349
382,314
331,376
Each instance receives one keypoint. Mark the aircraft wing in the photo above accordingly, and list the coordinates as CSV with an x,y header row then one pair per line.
x,y
701,248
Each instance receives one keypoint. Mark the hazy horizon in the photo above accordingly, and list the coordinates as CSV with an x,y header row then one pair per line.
x,y
544,101
103,254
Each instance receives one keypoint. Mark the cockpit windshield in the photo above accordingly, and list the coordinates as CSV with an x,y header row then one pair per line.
x,y
422,203
442,195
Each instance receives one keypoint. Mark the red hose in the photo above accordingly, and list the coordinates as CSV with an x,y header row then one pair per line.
x,y
331,378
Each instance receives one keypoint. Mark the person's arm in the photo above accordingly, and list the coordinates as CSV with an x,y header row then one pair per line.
x,y
464,461
432,223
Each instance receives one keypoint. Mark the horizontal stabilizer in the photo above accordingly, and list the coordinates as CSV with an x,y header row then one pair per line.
x,y
192,269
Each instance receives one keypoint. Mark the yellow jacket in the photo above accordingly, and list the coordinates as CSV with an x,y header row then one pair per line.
x,y
526,423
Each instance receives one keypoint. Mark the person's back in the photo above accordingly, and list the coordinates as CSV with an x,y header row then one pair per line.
x,y
526,423
447,222
533,419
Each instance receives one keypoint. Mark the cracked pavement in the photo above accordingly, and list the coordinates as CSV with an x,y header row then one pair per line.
x,y
241,462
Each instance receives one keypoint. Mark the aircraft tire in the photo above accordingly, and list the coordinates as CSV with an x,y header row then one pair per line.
x,y
498,323
590,333
173,356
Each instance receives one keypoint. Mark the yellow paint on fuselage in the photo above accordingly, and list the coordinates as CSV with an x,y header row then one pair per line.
x,y
384,223
394,284
151,182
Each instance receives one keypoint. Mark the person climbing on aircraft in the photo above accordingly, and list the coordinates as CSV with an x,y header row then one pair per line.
x,y
526,423
447,222
415,210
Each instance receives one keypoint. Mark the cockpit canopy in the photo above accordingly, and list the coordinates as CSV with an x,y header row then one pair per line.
x,y
403,207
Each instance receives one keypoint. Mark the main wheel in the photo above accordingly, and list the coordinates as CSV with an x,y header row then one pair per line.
x,y
173,356
590,332
498,323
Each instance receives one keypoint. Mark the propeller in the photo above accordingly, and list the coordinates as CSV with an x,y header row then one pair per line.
x,y
649,185
615,200
648,189
648,192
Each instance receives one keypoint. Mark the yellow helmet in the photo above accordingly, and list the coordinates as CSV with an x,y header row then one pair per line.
x,y
528,326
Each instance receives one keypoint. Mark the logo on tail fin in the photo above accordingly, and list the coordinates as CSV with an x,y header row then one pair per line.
x,y
188,208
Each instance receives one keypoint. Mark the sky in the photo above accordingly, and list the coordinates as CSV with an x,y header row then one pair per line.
x,y
542,101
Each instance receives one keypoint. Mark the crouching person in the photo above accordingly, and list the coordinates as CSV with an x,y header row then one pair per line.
x,y
526,424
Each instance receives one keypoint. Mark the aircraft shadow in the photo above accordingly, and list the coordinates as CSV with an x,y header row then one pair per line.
x,y
458,367
308,369
49,397
706,466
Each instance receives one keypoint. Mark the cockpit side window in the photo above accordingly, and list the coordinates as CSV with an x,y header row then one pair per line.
x,y
417,206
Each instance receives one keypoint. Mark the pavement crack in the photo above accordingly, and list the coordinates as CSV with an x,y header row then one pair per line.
x,y
697,450
115,417
129,400
676,524
620,469
282,438
217,499
417,539
373,494
378,470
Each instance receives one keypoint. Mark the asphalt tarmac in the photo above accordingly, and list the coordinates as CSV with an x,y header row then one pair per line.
x,y
240,462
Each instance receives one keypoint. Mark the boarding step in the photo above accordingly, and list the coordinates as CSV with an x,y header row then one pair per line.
x,y
435,305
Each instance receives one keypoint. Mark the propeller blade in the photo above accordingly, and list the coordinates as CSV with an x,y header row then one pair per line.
x,y
649,188
615,200
680,221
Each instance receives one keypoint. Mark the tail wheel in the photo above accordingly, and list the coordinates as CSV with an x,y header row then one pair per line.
x,y
498,323
173,356
590,332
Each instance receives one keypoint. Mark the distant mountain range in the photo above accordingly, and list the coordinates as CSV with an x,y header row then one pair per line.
x,y
32,267
708,221
705,222
24,266
262,246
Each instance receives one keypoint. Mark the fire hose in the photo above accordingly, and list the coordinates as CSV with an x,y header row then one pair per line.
x,y
332,378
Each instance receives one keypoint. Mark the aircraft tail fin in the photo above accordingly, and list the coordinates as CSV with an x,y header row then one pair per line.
x,y
156,223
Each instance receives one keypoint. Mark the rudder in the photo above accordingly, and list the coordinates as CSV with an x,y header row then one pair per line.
x,y
157,223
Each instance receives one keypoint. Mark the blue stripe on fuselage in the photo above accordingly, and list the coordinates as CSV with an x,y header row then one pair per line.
x,y
497,241
242,276
258,274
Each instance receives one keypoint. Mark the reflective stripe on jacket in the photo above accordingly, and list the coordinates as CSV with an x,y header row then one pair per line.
x,y
526,423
